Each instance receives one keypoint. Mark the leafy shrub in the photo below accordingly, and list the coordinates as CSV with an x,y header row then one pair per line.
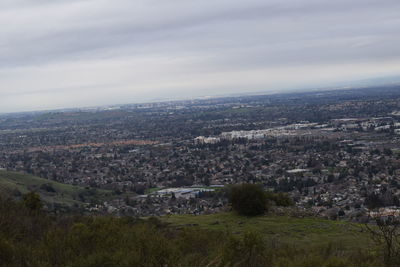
x,y
48,188
32,201
280,199
249,250
6,252
248,199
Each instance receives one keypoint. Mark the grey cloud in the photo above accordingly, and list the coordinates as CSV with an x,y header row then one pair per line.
x,y
161,45
108,34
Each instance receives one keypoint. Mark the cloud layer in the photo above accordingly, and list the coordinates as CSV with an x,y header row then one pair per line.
x,y
59,53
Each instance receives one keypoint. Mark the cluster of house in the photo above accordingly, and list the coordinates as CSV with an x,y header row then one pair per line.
x,y
338,167
166,202
331,173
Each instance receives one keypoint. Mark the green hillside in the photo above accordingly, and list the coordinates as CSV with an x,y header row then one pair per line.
x,y
30,237
305,232
51,192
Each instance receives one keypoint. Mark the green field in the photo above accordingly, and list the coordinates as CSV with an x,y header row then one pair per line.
x,y
16,184
307,232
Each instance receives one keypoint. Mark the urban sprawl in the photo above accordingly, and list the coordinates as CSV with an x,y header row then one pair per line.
x,y
335,153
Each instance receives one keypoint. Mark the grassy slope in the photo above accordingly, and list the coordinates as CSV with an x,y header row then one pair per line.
x,y
64,194
307,232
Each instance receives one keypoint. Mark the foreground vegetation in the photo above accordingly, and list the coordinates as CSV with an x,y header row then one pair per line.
x,y
30,237
308,233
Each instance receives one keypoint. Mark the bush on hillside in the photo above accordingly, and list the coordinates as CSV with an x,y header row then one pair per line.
x,y
248,199
280,199
32,201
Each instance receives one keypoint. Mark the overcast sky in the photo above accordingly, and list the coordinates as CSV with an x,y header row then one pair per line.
x,y
71,53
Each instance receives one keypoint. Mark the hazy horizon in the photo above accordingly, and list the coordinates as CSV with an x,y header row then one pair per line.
x,y
68,54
